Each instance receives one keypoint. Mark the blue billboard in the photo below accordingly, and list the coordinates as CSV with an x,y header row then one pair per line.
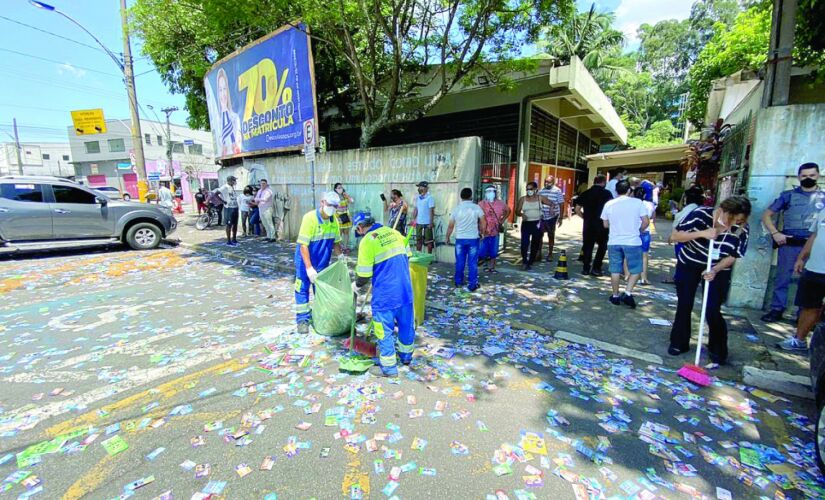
x,y
260,95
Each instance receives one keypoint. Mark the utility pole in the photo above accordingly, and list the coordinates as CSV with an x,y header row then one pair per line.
x,y
168,112
18,147
780,54
129,79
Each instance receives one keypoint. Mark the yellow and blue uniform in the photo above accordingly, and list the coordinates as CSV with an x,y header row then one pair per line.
x,y
383,255
320,237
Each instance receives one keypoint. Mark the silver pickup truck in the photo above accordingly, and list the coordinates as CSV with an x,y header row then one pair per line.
x,y
40,212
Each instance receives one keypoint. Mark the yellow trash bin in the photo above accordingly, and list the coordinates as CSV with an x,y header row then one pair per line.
x,y
419,265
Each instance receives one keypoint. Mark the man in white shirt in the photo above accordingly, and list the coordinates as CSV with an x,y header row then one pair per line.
x,y
165,197
423,215
611,184
625,217
230,210
264,200
467,220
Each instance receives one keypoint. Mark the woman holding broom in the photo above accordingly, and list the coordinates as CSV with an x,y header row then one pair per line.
x,y
727,227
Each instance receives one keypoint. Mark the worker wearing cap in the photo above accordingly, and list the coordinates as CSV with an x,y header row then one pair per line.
x,y
318,235
383,259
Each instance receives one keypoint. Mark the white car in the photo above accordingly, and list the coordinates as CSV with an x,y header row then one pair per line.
x,y
113,193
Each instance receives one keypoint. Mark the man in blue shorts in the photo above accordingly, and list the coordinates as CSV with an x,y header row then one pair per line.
x,y
626,217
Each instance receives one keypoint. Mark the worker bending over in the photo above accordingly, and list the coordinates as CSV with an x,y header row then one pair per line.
x,y
383,256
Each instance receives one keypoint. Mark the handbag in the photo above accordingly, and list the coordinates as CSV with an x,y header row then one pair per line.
x,y
343,218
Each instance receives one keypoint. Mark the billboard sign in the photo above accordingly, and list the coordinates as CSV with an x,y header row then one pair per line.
x,y
260,95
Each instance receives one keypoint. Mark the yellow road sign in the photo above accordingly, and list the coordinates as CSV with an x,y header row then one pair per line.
x,y
88,121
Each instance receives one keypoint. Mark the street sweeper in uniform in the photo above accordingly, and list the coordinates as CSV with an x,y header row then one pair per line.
x,y
383,260
318,236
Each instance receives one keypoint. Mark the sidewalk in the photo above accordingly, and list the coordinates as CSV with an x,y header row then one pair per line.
x,y
577,309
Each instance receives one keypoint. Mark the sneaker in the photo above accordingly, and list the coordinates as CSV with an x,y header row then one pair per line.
x,y
675,351
596,272
629,300
525,267
229,244
473,288
772,316
586,272
615,300
793,344
303,328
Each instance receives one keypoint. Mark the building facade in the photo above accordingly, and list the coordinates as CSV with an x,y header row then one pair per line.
x,y
107,159
44,158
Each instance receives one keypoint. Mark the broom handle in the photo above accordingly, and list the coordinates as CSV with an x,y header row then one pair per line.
x,y
704,304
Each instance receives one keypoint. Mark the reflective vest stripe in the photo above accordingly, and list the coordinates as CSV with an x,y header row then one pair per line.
x,y
387,361
404,349
364,271
388,254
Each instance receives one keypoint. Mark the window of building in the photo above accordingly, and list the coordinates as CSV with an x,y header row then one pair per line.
x,y
196,149
47,156
160,140
22,192
116,146
68,194
177,147
92,147
65,157
28,152
148,138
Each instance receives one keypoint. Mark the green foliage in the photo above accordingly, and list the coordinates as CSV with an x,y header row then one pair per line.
x,y
660,133
744,45
588,35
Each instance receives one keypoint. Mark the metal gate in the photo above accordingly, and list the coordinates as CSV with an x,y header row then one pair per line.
x,y
734,162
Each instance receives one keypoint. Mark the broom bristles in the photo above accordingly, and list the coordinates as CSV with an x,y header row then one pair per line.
x,y
695,374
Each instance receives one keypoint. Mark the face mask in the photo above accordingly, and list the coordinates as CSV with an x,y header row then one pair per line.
x,y
339,190
808,183
490,196
530,192
420,191
329,211
548,186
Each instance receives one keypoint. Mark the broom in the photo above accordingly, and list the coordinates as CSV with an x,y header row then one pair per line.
x,y
694,373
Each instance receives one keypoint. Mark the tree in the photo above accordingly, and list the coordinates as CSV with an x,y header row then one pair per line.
x,y
661,133
744,45
373,58
588,35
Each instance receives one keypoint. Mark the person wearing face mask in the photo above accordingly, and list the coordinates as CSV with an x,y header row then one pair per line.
x,y
551,216
396,209
383,260
318,236
423,215
799,207
342,214
495,213
727,227
529,208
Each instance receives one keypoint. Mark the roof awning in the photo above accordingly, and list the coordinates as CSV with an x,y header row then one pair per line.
x,y
638,159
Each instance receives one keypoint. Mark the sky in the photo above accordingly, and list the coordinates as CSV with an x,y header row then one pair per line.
x,y
50,67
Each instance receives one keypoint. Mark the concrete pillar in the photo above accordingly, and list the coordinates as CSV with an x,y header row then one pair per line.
x,y
785,137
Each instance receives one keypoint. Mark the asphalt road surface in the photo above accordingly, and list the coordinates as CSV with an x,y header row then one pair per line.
x,y
166,374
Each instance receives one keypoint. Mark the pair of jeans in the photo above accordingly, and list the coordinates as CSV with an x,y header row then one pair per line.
x,y
687,282
594,234
530,238
466,254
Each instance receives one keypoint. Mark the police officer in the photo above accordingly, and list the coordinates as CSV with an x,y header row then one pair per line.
x,y
383,258
318,234
799,207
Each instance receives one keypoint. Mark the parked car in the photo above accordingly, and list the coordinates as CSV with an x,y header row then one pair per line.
x,y
38,212
818,384
113,193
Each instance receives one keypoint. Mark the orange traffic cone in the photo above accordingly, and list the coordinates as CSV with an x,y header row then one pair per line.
x,y
561,267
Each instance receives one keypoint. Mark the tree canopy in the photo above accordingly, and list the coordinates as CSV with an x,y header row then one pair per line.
x,y
373,57
588,35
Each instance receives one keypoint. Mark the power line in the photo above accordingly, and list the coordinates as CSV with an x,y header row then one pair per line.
x,y
59,62
50,33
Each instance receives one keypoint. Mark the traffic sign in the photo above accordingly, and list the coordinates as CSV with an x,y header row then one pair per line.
x,y
88,121
153,176
189,142
309,140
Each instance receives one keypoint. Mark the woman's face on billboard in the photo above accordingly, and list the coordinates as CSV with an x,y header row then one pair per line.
x,y
223,90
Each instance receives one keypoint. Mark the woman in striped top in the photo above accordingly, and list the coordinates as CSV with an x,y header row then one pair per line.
x,y
727,227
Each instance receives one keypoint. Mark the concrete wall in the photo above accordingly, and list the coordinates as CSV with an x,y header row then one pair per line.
x,y
785,137
447,165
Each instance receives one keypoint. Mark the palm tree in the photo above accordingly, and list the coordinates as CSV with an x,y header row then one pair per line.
x,y
589,35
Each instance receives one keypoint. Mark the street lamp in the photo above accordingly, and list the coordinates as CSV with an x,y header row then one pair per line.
x,y
125,67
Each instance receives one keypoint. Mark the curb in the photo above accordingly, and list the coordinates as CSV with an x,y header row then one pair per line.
x,y
783,382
